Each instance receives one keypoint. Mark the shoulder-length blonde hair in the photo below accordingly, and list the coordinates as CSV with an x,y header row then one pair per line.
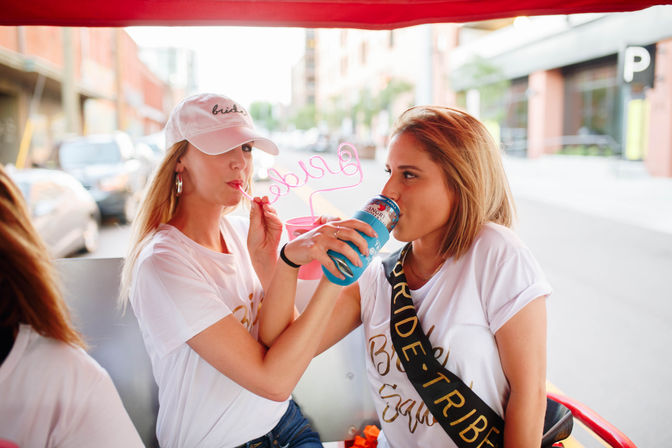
x,y
157,207
472,167
29,289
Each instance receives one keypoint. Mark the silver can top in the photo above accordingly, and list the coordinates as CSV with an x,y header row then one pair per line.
x,y
384,210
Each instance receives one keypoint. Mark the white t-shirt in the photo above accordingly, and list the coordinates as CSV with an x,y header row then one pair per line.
x,y
460,309
55,395
180,288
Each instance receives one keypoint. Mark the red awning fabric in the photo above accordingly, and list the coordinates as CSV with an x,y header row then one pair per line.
x,y
367,14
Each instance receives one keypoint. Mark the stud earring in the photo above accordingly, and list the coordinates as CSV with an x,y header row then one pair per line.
x,y
178,184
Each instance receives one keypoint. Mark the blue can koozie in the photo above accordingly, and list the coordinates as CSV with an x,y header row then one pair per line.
x,y
381,213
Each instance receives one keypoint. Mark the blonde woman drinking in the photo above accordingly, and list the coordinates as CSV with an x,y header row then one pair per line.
x,y
455,323
196,278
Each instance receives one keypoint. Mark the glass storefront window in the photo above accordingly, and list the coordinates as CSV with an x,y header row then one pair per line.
x,y
514,126
591,106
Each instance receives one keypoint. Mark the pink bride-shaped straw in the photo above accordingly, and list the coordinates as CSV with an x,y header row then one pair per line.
x,y
315,169
242,190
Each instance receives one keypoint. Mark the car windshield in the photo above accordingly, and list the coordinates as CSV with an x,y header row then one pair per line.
x,y
76,154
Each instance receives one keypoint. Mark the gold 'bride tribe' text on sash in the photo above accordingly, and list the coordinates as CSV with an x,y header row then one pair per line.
x,y
467,419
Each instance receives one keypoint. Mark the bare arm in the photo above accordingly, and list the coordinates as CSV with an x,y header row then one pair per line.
x,y
345,317
272,373
263,238
522,350
278,310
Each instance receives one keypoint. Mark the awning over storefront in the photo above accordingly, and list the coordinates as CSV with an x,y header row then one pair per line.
x,y
368,14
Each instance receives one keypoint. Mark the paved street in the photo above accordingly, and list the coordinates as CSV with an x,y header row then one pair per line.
x,y
609,315
607,253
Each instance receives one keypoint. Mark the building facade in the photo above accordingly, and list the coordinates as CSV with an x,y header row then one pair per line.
x,y
594,84
365,77
303,75
56,82
586,84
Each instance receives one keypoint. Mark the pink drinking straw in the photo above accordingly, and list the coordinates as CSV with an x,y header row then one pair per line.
x,y
344,158
316,168
242,190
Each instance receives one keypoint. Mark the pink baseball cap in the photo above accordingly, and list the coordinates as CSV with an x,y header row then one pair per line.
x,y
214,124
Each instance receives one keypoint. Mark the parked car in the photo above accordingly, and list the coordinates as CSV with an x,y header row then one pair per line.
x,y
151,148
109,166
322,144
62,211
156,143
149,159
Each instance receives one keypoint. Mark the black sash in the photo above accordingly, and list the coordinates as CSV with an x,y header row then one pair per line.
x,y
467,419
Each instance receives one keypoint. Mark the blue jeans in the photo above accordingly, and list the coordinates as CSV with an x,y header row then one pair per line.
x,y
292,431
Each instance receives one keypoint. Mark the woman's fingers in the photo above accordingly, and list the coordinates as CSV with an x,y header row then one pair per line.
x,y
336,236
342,236
265,225
329,264
271,214
344,233
323,219
347,250
262,205
350,231
255,213
359,225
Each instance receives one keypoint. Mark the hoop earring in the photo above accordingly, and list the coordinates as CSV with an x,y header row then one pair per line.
x,y
178,184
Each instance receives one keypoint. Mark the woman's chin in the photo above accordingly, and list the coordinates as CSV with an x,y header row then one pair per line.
x,y
233,203
231,198
399,236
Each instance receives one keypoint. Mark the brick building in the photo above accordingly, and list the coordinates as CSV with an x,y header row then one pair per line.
x,y
56,82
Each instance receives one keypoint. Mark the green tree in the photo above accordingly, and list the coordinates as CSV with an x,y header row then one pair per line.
x,y
365,108
262,114
492,86
392,90
333,114
369,106
305,118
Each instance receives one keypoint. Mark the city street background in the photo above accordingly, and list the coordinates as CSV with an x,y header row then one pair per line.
x,y
580,104
604,239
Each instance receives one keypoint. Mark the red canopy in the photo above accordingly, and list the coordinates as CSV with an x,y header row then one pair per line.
x,y
371,14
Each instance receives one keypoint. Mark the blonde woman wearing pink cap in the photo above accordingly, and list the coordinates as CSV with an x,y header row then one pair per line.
x,y
196,277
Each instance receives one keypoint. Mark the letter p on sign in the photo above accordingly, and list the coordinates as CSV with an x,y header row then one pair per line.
x,y
637,59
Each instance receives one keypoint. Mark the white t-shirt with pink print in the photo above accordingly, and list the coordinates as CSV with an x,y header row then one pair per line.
x,y
180,288
460,310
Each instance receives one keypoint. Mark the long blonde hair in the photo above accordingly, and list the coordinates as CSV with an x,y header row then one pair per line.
x,y
157,207
472,165
29,290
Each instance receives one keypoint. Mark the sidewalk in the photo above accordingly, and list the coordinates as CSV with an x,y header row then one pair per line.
x,y
611,188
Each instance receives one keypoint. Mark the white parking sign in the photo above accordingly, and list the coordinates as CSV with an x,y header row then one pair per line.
x,y
638,65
